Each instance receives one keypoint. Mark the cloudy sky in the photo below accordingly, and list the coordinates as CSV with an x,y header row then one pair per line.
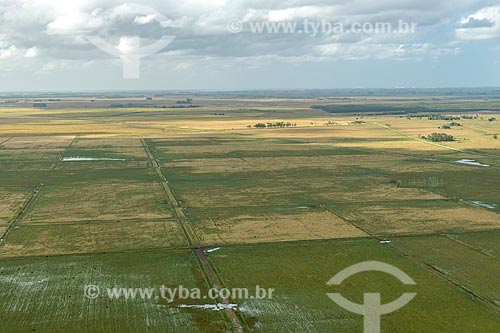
x,y
213,44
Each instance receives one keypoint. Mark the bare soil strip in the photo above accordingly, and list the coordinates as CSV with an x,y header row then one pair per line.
x,y
212,277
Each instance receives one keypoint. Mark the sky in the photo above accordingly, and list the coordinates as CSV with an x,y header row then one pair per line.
x,y
62,45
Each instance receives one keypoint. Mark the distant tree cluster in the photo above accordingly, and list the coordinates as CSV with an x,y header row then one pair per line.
x,y
330,123
441,117
450,125
439,137
186,101
279,124
492,119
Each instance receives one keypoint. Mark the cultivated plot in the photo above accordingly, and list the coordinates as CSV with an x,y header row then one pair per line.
x,y
43,240
47,294
418,217
12,200
299,272
99,202
469,268
268,224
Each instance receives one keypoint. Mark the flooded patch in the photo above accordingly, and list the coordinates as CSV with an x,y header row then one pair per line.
x,y
441,270
471,162
22,281
85,159
281,209
484,204
214,307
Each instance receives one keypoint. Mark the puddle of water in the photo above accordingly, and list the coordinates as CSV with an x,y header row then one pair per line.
x,y
22,283
214,307
292,208
83,159
484,204
471,162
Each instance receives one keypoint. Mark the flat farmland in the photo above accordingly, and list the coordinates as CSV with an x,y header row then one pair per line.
x,y
12,200
252,191
46,294
103,197
202,197
300,271
58,239
98,202
418,217
241,225
467,267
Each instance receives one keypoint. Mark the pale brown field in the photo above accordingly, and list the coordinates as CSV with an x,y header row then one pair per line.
x,y
108,142
98,202
42,137
381,192
11,201
59,239
37,142
387,220
276,227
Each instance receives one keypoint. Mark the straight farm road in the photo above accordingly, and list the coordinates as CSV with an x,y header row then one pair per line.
x,y
193,241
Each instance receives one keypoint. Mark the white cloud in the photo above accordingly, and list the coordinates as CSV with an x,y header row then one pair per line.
x,y
128,45
141,20
32,52
74,23
483,24
65,6
294,13
13,52
9,53
368,50
59,29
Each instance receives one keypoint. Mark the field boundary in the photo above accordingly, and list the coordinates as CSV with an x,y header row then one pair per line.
x,y
5,141
178,210
61,156
212,278
491,304
22,212
433,143
236,320
469,246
